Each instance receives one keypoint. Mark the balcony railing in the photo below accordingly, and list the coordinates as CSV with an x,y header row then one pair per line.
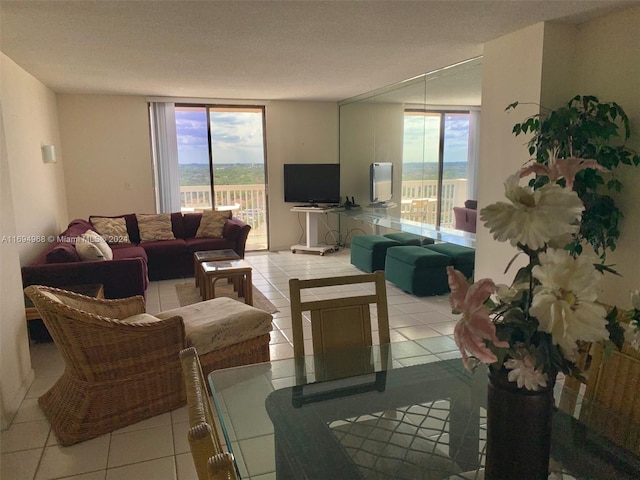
x,y
248,203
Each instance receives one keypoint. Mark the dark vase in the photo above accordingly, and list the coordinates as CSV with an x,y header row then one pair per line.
x,y
518,430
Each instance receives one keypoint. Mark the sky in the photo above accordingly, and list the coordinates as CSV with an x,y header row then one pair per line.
x,y
236,136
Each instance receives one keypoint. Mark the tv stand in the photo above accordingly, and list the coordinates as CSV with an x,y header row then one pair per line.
x,y
312,231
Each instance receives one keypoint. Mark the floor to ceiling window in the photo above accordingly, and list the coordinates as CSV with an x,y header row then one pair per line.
x,y
435,165
221,163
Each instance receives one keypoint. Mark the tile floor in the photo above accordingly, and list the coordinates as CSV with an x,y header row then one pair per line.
x,y
157,448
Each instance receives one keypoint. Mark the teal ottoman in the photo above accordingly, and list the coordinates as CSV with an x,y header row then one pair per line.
x,y
368,252
417,270
462,258
406,238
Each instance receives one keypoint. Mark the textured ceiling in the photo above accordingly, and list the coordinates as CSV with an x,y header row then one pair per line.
x,y
267,50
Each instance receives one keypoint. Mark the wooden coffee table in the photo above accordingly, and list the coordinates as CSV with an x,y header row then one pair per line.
x,y
238,271
211,256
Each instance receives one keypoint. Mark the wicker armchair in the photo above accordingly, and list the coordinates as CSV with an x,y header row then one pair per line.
x,y
116,372
211,461
122,365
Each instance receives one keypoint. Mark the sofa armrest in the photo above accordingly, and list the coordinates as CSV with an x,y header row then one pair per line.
x,y
120,278
238,231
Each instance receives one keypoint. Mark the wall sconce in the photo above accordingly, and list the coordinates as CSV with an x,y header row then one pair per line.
x,y
49,153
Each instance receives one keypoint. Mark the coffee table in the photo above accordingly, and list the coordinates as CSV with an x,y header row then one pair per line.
x,y
238,271
211,256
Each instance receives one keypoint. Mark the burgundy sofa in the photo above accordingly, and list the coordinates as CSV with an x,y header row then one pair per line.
x,y
135,263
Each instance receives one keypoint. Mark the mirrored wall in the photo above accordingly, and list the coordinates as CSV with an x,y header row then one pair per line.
x,y
427,128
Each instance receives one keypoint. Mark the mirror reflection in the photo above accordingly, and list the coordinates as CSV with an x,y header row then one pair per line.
x,y
425,131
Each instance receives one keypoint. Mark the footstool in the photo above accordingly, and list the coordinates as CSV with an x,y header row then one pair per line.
x,y
225,332
368,252
462,258
417,270
406,238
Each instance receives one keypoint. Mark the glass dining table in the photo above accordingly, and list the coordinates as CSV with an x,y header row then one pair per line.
x,y
398,411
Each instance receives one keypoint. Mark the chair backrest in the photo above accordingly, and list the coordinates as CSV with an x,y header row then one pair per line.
x,y
96,341
612,393
343,321
423,210
210,460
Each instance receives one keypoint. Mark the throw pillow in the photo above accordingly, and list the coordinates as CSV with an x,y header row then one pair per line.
x,y
87,250
155,227
211,224
99,242
63,253
113,230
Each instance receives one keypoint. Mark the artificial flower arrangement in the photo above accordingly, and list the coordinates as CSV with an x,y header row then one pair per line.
x,y
535,327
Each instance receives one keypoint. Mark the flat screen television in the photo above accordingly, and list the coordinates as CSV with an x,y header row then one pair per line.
x,y
311,183
381,182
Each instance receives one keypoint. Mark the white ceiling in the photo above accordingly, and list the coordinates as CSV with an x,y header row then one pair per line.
x,y
261,50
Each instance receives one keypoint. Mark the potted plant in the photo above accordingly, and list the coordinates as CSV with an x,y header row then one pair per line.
x,y
585,128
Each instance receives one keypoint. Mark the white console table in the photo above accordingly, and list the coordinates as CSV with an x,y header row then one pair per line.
x,y
312,215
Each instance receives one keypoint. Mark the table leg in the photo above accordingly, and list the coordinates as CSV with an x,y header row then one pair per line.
x,y
248,288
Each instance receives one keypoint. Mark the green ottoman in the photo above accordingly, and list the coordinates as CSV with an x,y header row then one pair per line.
x,y
406,238
368,252
462,258
417,270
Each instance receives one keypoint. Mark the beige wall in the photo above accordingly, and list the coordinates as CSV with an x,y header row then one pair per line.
x,y
608,66
297,132
31,120
33,204
598,58
108,168
507,76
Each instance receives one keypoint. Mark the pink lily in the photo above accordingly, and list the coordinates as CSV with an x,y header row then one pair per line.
x,y
562,168
475,326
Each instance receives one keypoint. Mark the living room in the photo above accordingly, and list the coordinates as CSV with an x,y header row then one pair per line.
x,y
103,146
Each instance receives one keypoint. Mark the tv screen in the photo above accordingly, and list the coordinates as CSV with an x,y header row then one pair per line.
x,y
381,181
310,183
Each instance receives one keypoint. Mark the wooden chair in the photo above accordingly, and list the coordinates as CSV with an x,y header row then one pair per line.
x,y
341,322
423,210
611,394
211,461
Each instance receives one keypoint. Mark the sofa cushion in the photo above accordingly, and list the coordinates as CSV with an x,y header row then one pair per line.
x,y
219,323
199,244
112,229
63,253
129,250
232,229
155,227
191,222
212,224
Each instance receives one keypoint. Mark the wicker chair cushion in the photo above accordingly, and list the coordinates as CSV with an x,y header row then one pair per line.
x,y
220,322
141,318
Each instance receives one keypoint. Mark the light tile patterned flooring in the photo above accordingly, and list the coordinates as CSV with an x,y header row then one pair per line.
x,y
157,448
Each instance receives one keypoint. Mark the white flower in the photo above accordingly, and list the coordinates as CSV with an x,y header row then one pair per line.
x,y
565,301
523,371
632,334
533,218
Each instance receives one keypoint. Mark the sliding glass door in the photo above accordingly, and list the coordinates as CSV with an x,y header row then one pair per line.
x,y
221,163
435,164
